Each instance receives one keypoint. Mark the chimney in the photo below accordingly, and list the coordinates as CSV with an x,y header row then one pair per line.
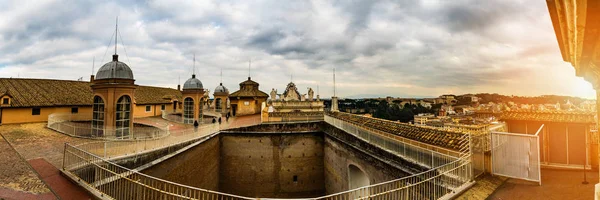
x,y
92,78
178,87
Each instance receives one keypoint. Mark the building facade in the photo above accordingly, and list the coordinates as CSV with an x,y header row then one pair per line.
x,y
33,100
248,99
292,106
193,100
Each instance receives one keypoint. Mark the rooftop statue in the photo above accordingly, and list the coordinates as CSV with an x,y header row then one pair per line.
x,y
291,93
273,94
311,93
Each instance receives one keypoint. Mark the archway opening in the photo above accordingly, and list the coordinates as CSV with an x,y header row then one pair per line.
x,y
356,177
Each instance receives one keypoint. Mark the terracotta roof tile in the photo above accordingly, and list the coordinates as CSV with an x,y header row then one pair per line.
x,y
48,92
442,138
550,116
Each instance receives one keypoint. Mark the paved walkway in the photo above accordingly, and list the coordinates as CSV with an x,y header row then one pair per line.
x,y
246,120
484,186
64,188
17,179
556,184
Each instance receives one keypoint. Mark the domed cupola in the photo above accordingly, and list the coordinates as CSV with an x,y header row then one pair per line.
x,y
114,70
193,84
221,88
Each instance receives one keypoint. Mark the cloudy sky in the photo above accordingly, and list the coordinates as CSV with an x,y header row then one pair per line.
x,y
379,48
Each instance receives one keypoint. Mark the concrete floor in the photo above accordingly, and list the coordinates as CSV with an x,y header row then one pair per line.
x,y
556,184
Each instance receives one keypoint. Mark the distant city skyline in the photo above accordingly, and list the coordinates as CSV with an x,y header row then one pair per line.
x,y
379,48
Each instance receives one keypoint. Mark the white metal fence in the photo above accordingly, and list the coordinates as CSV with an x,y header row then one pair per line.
x,y
516,155
111,149
87,164
426,155
110,181
293,118
79,125
442,182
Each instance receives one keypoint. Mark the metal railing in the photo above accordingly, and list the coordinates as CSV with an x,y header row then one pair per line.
x,y
426,155
111,149
292,118
172,116
442,182
88,165
79,125
108,180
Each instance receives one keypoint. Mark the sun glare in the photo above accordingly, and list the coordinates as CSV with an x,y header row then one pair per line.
x,y
584,89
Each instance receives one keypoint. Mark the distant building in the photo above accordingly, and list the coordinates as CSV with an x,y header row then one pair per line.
x,y
221,102
193,99
247,100
423,118
566,140
292,106
33,100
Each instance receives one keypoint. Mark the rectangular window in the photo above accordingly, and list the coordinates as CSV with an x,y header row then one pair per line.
x,y
148,108
162,107
74,110
35,111
5,101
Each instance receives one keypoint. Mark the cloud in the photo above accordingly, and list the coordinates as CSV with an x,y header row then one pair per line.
x,y
417,48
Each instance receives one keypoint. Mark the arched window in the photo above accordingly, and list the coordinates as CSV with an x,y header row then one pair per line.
x,y
218,103
188,110
123,116
98,117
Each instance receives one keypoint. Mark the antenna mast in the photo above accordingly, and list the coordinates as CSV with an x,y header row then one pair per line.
x,y
93,64
194,65
249,63
334,81
116,28
221,74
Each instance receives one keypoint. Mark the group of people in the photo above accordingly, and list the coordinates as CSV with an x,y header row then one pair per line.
x,y
219,120
214,120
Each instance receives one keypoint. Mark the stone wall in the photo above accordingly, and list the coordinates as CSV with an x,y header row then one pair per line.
x,y
278,128
337,159
197,167
272,165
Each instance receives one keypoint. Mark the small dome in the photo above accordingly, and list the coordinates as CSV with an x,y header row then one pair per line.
x,y
114,69
193,83
221,88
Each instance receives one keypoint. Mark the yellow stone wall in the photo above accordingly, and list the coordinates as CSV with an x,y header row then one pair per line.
x,y
140,110
252,108
23,115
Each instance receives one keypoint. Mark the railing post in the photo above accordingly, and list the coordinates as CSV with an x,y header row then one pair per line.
x,y
64,155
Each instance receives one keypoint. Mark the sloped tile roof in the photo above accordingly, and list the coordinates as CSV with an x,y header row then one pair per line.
x,y
550,116
49,92
246,93
438,137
